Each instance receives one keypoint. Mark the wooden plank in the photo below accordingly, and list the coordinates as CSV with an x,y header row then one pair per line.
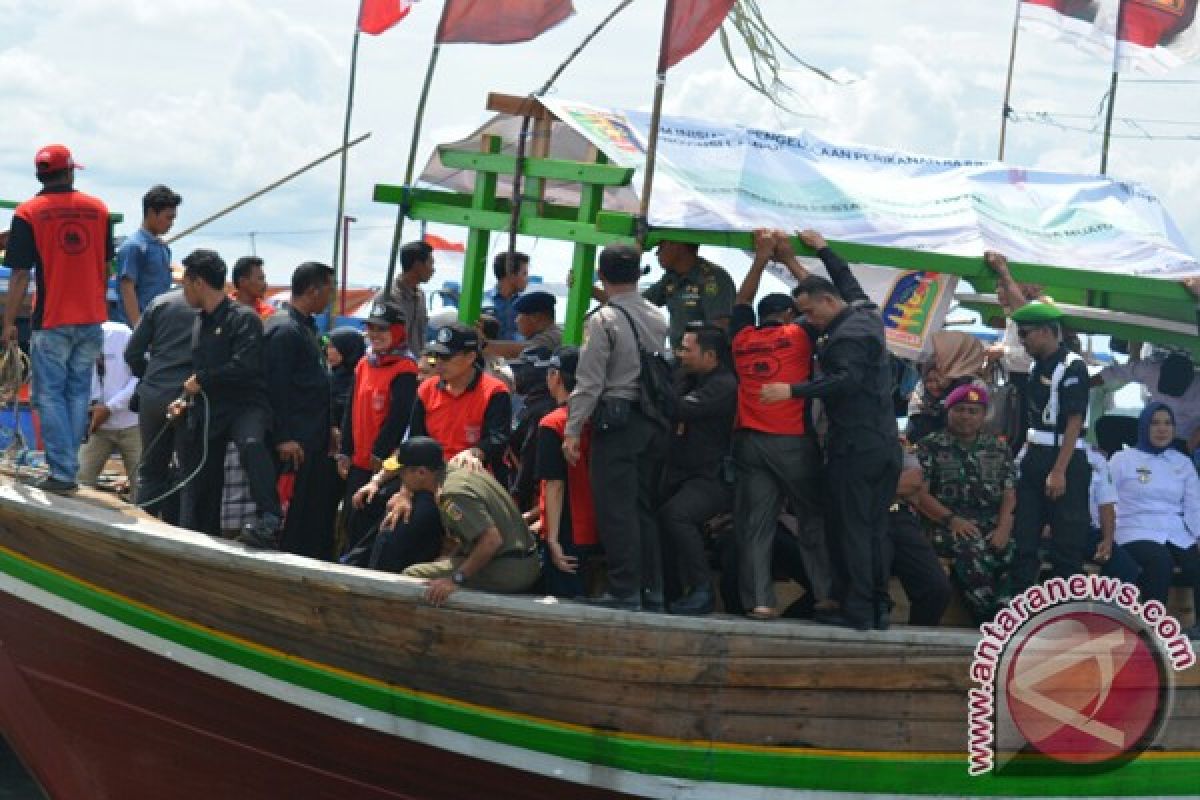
x,y
548,168
483,199
519,106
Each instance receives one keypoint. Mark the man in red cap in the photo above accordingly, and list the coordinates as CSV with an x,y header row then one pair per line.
x,y
64,236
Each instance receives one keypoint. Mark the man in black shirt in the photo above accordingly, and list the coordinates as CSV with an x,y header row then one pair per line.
x,y
862,446
298,389
228,401
1055,475
694,488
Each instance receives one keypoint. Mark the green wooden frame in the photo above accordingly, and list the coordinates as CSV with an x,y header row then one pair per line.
x,y
589,226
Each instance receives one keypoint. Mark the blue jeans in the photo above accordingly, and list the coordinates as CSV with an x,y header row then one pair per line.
x,y
63,359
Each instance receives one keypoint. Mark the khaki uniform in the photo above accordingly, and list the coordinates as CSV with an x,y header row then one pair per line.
x,y
470,503
704,294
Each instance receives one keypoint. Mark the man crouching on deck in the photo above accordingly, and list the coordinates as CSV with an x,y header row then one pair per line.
x,y
496,551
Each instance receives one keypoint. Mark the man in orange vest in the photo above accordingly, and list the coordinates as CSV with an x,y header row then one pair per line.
x,y
63,235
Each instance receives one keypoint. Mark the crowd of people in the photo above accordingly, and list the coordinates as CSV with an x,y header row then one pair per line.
x,y
671,463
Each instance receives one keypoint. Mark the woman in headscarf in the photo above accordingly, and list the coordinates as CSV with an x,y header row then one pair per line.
x,y
957,359
1158,506
344,348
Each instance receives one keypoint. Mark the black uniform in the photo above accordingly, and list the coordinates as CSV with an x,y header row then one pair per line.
x,y
693,486
298,387
1068,517
227,358
863,445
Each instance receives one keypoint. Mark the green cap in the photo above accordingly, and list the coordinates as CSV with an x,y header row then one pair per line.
x,y
1038,312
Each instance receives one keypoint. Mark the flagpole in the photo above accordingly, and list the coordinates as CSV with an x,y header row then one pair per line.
x,y
660,83
1112,89
341,199
1012,58
398,232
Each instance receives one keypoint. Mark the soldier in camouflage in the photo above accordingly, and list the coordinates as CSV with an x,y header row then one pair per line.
x,y
970,501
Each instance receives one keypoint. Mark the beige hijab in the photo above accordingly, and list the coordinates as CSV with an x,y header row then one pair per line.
x,y
955,355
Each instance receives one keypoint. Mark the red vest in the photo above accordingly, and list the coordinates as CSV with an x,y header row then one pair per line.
x,y
371,403
70,231
579,481
457,422
771,354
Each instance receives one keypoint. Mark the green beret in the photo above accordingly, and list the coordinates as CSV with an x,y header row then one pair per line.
x,y
1038,312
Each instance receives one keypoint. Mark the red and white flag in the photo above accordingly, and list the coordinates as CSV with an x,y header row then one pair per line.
x,y
1150,36
692,23
376,16
499,21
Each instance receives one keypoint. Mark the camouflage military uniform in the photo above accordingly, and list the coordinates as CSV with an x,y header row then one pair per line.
x,y
970,481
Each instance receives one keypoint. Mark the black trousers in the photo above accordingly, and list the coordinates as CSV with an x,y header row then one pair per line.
x,y
155,476
862,486
360,521
911,558
246,428
1068,516
626,467
688,506
309,523
1158,562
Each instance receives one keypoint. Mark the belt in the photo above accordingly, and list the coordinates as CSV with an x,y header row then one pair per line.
x,y
1049,439
533,551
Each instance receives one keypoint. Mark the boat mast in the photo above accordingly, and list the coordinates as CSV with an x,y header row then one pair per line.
x,y
1006,109
1112,89
338,225
660,83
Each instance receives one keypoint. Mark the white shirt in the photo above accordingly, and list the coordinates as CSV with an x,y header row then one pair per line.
x,y
115,389
1186,408
1158,497
1101,492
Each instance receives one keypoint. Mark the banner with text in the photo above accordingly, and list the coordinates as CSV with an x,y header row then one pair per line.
x,y
720,177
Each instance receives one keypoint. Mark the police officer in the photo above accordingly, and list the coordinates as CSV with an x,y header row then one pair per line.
x,y
1055,474
863,446
228,391
627,445
495,550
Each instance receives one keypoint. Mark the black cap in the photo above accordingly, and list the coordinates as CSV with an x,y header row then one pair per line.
x,y
385,312
774,303
535,303
420,451
453,339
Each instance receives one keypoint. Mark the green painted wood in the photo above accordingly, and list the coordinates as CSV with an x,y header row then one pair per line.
x,y
583,261
548,168
991,312
933,774
483,199
498,220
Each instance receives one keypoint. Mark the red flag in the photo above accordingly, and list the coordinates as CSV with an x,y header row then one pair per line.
x,y
500,21
440,243
376,16
692,23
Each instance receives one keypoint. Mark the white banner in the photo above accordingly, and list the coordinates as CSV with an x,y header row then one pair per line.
x,y
717,177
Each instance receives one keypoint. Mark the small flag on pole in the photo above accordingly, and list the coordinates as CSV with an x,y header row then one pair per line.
x,y
1154,36
693,22
376,16
500,21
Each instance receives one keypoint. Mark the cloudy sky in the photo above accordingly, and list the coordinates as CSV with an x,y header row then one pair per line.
x,y
220,97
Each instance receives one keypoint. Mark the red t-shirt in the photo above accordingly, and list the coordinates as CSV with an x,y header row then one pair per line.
x,y
457,421
771,354
70,234
579,481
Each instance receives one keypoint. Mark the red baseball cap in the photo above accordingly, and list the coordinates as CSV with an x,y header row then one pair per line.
x,y
54,158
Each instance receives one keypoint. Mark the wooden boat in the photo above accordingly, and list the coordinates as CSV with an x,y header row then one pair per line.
x,y
140,660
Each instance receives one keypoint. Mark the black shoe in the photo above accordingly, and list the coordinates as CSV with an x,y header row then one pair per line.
x,y
883,619
631,603
697,603
56,486
653,602
838,619
262,533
